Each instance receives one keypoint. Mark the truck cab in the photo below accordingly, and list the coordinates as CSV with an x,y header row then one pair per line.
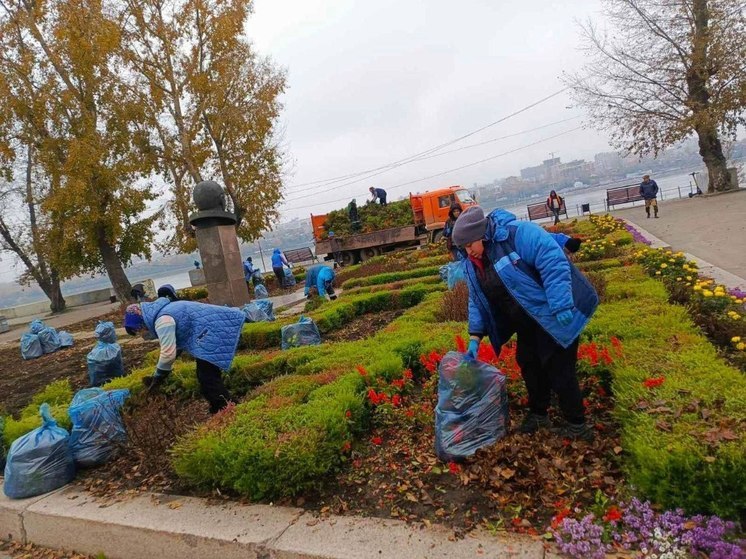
x,y
431,208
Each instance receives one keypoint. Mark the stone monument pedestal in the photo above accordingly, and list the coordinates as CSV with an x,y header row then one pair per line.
x,y
218,247
197,277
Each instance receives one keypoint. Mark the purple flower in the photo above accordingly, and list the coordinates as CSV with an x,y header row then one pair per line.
x,y
636,235
581,539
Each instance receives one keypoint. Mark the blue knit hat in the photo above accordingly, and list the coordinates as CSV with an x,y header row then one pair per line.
x,y
133,320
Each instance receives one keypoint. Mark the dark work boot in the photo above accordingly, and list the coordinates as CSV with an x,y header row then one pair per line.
x,y
647,211
656,212
581,431
533,422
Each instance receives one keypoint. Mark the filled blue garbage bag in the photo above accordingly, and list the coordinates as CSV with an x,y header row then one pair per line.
x,y
254,313
443,272
66,339
31,346
50,340
260,292
106,332
267,306
36,326
472,410
40,461
104,363
289,278
304,332
98,430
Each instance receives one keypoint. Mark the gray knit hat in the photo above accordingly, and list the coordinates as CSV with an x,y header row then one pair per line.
x,y
470,226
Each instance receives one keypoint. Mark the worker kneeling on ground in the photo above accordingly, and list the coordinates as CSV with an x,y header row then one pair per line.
x,y
321,277
520,282
208,332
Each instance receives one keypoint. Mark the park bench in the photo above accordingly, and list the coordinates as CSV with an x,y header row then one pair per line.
x,y
622,195
299,255
540,211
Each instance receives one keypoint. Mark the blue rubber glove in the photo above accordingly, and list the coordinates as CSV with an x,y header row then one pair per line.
x,y
564,317
473,349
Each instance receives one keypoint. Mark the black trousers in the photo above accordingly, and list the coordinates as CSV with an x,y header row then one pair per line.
x,y
547,366
211,385
383,200
280,275
556,214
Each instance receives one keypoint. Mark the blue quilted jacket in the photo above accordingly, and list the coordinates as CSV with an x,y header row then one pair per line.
x,y
536,272
207,332
318,276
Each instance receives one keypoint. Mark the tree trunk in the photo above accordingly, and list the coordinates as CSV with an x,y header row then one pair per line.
x,y
52,289
114,269
711,151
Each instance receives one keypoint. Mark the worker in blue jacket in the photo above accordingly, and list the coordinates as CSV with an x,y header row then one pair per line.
x,y
520,282
208,332
322,278
378,194
279,262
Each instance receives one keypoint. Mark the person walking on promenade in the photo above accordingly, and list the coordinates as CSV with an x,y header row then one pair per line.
x,y
555,203
649,193
520,282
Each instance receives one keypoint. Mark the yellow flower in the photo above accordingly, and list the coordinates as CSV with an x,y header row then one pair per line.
x,y
658,273
739,301
688,278
741,346
697,287
664,265
707,293
735,339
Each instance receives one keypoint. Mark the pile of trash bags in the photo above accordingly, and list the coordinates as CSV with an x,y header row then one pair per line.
x,y
453,273
261,310
472,410
105,359
41,339
289,278
40,461
47,458
98,430
260,291
304,332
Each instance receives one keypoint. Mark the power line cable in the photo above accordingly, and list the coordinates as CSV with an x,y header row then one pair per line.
x,y
503,154
435,148
423,158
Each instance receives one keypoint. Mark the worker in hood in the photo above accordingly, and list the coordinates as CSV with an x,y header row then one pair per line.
x,y
321,278
520,282
453,214
208,332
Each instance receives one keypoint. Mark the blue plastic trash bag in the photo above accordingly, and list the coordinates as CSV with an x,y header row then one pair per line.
x,y
98,430
50,340
31,346
36,326
104,363
106,332
40,461
303,332
456,273
472,410
66,338
254,313
289,278
443,272
267,306
260,292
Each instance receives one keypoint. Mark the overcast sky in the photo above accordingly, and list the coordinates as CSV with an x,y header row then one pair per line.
x,y
370,83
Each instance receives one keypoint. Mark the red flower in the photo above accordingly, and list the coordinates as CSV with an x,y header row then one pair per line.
x,y
523,401
362,371
586,403
398,383
605,357
653,382
348,414
602,392
407,374
409,413
559,517
396,400
453,467
460,344
376,440
613,514
346,447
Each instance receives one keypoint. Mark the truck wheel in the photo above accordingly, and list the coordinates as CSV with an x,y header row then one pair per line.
x,y
348,258
368,253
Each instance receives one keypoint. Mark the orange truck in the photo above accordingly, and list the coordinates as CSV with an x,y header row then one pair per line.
x,y
429,214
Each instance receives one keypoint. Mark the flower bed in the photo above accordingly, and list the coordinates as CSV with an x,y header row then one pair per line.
x,y
391,277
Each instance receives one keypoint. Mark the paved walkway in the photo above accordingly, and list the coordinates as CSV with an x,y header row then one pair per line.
x,y
712,228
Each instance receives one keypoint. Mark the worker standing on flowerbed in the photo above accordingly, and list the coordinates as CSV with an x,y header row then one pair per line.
x,y
208,332
520,282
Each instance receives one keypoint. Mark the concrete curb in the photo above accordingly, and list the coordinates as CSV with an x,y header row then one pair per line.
x,y
729,280
171,527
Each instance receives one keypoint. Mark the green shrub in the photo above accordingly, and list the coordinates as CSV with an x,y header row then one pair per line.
x,y
691,453
15,428
595,265
391,277
192,293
